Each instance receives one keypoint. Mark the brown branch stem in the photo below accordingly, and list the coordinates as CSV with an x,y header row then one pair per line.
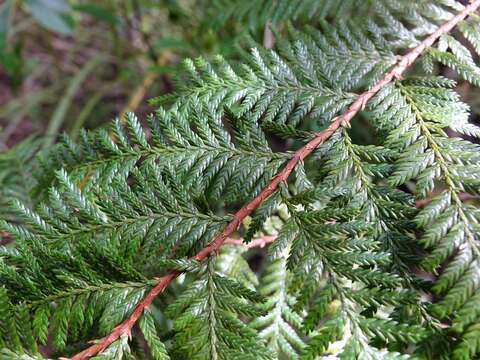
x,y
395,73
260,242
462,196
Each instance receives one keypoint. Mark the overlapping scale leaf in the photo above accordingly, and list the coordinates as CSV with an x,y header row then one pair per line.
x,y
155,345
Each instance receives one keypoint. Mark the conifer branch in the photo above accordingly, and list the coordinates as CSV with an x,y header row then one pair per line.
x,y
358,105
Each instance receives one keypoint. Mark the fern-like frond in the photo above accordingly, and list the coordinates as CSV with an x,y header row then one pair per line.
x,y
281,325
16,168
456,55
417,119
422,15
154,214
74,250
305,79
70,313
337,246
207,324
258,13
313,76
123,214
192,140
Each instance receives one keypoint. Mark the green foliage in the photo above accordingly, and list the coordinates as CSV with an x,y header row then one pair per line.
x,y
206,319
428,156
209,159
117,209
281,325
16,169
157,348
258,13
311,78
51,14
286,87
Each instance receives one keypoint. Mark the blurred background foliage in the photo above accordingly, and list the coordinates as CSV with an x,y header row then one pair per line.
x,y
71,64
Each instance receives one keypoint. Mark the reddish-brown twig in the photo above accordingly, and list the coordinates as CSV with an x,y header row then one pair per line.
x,y
260,242
395,73
462,196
